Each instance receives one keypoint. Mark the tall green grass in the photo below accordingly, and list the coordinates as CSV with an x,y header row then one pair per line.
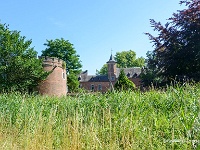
x,y
167,119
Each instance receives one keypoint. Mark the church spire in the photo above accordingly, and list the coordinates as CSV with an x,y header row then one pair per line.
x,y
112,68
112,59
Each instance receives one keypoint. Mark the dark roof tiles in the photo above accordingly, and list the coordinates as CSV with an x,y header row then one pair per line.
x,y
94,78
130,72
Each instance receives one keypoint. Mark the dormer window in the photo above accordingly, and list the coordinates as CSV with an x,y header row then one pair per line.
x,y
128,75
135,75
79,78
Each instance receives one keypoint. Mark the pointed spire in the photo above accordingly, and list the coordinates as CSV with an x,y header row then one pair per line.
x,y
111,57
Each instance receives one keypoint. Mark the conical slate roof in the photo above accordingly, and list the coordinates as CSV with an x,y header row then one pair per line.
x,y
112,59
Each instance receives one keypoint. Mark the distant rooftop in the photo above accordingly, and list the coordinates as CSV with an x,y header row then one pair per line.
x,y
130,73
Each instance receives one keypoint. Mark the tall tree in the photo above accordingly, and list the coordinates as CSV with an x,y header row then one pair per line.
x,y
103,70
177,47
149,72
127,59
64,50
19,67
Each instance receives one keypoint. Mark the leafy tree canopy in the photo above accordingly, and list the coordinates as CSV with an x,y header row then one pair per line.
x,y
123,83
19,67
124,59
103,70
127,59
64,50
177,46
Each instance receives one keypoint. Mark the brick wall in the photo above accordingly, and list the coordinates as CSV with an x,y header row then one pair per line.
x,y
55,84
136,81
87,86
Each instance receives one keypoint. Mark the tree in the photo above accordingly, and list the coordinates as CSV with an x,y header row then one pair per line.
x,y
64,50
127,59
103,70
139,62
124,59
123,83
149,72
72,82
177,46
20,69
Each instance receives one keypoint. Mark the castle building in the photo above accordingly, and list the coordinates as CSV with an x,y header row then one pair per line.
x,y
103,83
56,82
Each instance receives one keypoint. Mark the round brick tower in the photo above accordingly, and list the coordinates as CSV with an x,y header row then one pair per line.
x,y
56,82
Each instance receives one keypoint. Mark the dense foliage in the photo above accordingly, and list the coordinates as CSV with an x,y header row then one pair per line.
x,y
20,70
126,120
123,83
64,50
103,70
177,46
127,59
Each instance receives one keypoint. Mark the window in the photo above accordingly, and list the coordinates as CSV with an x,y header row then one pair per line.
x,y
99,87
63,75
112,78
80,85
135,75
128,75
92,87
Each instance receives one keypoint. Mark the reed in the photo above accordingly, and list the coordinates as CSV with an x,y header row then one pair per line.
x,y
155,119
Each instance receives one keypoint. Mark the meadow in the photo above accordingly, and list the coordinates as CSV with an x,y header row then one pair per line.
x,y
157,119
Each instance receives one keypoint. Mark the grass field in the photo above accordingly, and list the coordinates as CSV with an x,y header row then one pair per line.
x,y
155,119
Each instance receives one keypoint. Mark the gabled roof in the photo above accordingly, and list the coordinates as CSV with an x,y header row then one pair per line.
x,y
99,78
94,78
130,72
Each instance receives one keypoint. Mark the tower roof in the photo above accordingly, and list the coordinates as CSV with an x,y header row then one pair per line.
x,y
111,59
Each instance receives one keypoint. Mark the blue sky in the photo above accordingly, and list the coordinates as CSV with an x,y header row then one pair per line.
x,y
93,26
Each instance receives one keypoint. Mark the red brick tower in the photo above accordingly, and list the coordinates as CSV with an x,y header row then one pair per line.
x,y
56,82
112,68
